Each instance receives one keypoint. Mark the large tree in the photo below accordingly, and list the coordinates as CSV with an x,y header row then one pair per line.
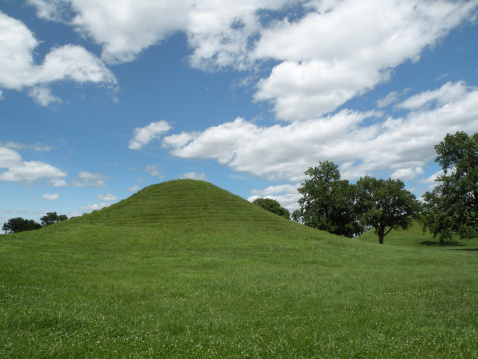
x,y
452,206
384,205
19,224
327,202
272,206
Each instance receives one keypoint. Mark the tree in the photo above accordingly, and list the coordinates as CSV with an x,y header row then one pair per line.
x,y
52,217
272,206
328,203
19,224
384,205
452,206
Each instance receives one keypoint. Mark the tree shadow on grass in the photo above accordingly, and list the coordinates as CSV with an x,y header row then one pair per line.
x,y
446,244
449,244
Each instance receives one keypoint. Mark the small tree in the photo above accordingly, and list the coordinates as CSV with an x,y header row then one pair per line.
x,y
272,206
52,217
19,224
452,206
385,205
327,202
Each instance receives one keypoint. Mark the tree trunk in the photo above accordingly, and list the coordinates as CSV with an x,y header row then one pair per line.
x,y
380,233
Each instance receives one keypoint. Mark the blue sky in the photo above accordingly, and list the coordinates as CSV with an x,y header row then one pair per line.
x,y
99,99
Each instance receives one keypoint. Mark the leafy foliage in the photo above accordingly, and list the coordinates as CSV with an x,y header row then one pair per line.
x,y
51,218
334,205
385,204
327,202
452,206
19,224
272,206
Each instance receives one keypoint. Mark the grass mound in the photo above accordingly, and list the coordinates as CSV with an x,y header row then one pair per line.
x,y
185,269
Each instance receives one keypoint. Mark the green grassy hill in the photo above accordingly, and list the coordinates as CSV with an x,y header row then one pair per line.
x,y
185,269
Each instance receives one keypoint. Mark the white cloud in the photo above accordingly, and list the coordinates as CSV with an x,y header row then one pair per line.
x,y
391,98
89,179
51,197
19,146
406,174
9,157
337,50
21,171
134,188
275,190
107,197
447,93
94,207
431,179
309,89
193,175
144,135
43,96
18,69
329,57
30,171
154,170
398,146
277,152
218,31
57,182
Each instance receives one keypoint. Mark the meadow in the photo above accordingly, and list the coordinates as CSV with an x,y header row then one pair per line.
x,y
184,269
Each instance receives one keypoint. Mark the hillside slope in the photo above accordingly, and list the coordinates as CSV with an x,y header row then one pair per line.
x,y
192,207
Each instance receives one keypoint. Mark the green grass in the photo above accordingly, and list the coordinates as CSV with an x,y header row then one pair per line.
x,y
414,237
184,269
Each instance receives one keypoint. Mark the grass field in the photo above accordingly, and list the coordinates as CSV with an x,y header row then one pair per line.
x,y
185,269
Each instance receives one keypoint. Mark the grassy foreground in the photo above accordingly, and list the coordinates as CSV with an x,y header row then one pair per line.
x,y
184,269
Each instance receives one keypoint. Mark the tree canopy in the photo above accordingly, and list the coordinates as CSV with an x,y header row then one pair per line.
x,y
52,217
452,206
327,202
334,205
272,206
384,205
19,224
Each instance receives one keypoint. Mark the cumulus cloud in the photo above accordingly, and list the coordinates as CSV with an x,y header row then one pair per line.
x,y
154,170
193,175
275,153
55,182
43,96
335,51
18,170
19,146
18,69
275,190
398,146
329,57
86,179
134,188
94,207
218,32
51,197
107,197
144,135
447,93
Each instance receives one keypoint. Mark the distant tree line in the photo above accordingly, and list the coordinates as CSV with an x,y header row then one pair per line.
x,y
19,224
335,205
